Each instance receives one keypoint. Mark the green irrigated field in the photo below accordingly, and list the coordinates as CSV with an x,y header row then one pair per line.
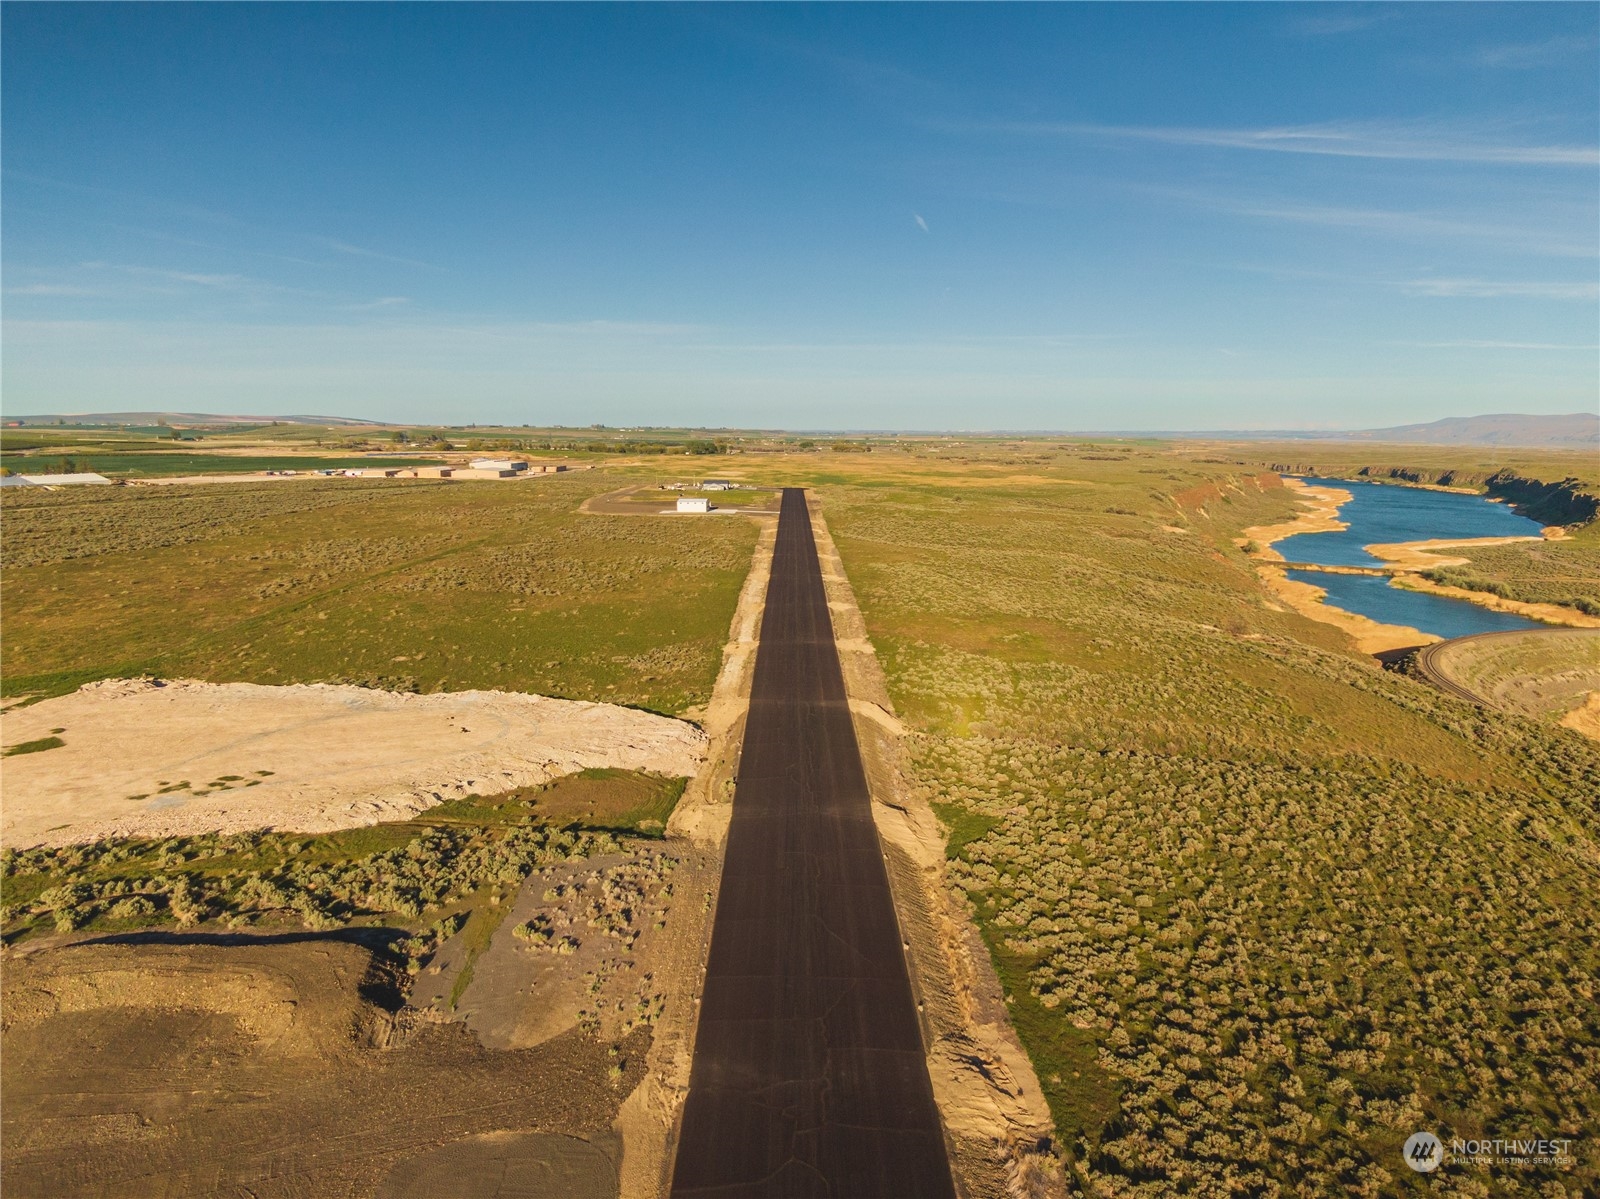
x,y
158,465
1263,910
426,585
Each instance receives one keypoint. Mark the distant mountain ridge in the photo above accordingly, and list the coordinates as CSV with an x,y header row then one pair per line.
x,y
1576,430
180,418
1570,431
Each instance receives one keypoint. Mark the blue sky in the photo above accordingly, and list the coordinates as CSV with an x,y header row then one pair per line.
x,y
1095,216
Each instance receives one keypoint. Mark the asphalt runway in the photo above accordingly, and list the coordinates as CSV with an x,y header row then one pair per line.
x,y
808,1077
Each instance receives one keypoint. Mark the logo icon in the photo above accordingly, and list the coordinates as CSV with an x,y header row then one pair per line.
x,y
1423,1152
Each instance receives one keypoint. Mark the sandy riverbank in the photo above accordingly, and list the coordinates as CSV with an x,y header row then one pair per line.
x,y
1370,636
1320,515
1425,555
1555,614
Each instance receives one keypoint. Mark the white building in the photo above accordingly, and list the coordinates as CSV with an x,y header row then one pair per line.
x,y
716,485
693,503
52,480
499,464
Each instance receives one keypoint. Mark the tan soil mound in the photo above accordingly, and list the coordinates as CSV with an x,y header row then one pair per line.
x,y
152,759
1585,718
273,1010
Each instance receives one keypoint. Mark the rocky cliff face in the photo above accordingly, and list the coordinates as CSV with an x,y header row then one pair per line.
x,y
1563,503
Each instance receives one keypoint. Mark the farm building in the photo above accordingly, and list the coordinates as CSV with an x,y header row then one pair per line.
x,y
693,503
499,464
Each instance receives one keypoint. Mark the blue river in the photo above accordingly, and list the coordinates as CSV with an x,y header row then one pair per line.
x,y
1382,513
1379,514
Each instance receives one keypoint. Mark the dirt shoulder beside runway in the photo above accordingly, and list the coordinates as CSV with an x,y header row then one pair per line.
x,y
696,836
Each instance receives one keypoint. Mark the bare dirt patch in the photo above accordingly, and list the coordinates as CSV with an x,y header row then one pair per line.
x,y
142,758
514,1165
1585,718
576,949
260,1067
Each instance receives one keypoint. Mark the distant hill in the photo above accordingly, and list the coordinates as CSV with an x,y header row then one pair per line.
x,y
1577,430
1573,431
179,418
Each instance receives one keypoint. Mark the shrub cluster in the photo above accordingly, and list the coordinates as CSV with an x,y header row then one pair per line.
x,y
1263,909
247,877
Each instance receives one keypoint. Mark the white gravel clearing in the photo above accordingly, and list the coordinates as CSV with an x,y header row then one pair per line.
x,y
148,758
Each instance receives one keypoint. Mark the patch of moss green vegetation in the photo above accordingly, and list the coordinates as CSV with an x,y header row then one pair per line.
x,y
410,585
620,800
479,930
1083,1098
33,747
1263,909
962,826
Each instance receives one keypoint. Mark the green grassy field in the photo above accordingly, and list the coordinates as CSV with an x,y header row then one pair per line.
x,y
157,465
425,585
1262,909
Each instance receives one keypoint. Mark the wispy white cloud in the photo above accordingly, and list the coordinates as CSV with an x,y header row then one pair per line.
x,y
1392,223
921,224
182,279
380,302
1495,345
1494,289
1339,21
217,220
62,290
344,247
1527,56
1411,141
